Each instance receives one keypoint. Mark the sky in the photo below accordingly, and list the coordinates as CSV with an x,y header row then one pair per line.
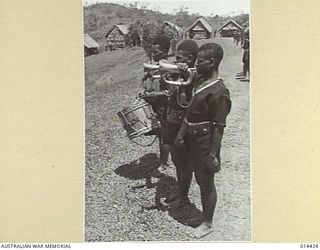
x,y
204,8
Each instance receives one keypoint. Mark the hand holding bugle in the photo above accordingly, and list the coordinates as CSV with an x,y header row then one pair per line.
x,y
164,67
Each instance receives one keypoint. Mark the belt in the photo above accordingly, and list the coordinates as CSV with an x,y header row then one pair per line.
x,y
200,128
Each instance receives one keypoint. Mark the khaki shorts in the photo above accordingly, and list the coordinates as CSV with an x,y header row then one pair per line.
x,y
199,158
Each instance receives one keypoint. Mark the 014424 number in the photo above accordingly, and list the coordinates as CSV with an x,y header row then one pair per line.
x,y
309,246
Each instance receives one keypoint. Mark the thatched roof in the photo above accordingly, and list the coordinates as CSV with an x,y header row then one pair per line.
x,y
123,28
89,42
174,26
203,22
230,25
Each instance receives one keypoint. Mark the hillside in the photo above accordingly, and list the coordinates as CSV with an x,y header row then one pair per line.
x,y
99,18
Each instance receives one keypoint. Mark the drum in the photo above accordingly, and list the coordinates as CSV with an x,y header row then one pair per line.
x,y
138,119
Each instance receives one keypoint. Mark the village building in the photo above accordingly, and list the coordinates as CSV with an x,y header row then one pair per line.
x,y
175,34
116,37
90,45
173,30
200,29
229,29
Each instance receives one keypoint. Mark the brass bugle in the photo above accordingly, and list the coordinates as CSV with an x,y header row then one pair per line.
x,y
163,66
150,66
191,74
172,68
168,67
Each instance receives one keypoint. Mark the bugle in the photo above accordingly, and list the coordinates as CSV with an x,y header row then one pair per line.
x,y
172,68
153,70
165,67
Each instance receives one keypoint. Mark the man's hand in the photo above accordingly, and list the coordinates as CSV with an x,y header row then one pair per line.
x,y
182,66
142,95
178,141
213,163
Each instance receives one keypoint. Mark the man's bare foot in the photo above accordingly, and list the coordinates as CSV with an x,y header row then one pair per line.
x,y
172,197
202,230
160,171
163,167
181,202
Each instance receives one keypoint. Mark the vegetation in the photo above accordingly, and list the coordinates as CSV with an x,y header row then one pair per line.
x,y
99,18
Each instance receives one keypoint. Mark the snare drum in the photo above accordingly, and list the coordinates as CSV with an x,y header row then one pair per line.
x,y
138,119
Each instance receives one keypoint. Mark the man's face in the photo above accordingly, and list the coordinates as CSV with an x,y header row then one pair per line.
x,y
157,53
203,64
182,57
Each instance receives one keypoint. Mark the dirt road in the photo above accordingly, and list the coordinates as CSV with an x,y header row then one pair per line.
x,y
124,202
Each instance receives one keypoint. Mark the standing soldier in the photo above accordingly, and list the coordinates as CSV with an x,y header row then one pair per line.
x,y
202,129
246,57
186,55
159,50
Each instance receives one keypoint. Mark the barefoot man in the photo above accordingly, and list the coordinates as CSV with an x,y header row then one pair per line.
x,y
153,95
179,99
202,129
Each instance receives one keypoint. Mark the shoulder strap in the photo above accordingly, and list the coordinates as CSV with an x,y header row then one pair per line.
x,y
207,86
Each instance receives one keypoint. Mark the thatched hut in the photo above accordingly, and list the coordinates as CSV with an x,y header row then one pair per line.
x,y
172,29
229,29
200,29
90,45
116,37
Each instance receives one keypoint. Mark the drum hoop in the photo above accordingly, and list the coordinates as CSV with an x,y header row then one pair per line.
x,y
128,124
138,133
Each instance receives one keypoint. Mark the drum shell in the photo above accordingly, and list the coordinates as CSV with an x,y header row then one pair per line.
x,y
138,119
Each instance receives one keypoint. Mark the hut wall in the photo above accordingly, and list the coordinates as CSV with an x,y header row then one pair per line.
x,y
116,38
198,32
90,51
229,33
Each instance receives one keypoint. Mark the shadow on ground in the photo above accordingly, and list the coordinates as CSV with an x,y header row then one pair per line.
x,y
166,186
140,169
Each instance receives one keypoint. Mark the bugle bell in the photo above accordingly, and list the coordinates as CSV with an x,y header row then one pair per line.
x,y
153,69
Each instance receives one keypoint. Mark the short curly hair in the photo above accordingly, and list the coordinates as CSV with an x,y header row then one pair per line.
x,y
190,46
163,41
213,50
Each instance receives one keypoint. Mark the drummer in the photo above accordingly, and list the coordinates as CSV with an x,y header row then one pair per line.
x,y
159,50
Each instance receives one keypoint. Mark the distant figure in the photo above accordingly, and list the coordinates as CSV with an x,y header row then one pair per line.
x,y
246,57
109,46
215,33
242,37
237,37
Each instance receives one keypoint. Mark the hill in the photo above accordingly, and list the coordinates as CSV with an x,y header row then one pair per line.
x,y
99,18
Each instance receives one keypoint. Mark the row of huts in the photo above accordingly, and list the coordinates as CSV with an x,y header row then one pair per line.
x,y
200,29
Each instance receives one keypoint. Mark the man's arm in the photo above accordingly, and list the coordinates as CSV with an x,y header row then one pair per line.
x,y
217,133
222,109
181,134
